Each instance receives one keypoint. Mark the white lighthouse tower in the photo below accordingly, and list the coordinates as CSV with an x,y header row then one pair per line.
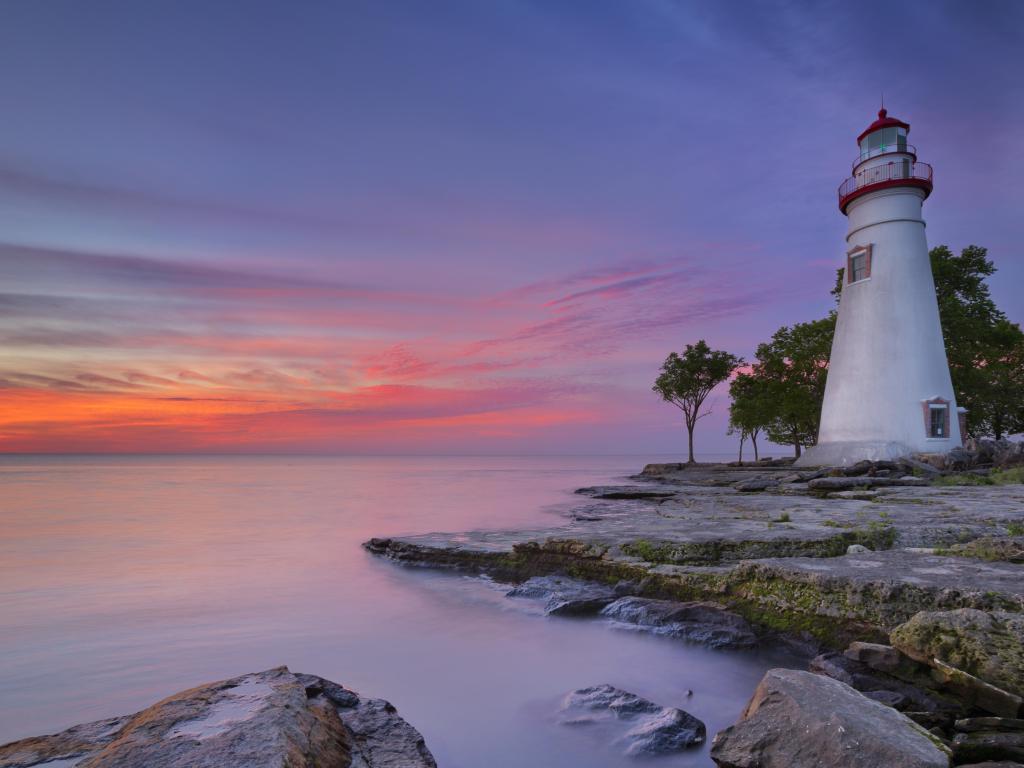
x,y
888,392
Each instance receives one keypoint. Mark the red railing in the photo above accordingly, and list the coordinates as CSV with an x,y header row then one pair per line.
x,y
895,173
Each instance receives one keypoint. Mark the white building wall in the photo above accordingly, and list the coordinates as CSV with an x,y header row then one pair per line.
x,y
888,355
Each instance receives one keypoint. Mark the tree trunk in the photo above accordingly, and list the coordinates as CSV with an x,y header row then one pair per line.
x,y
796,446
742,438
689,433
753,439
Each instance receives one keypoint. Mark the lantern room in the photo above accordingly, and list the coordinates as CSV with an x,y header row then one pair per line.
x,y
886,134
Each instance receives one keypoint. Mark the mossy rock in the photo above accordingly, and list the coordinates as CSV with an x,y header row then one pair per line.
x,y
988,645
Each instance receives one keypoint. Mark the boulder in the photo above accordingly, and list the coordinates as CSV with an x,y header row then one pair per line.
x,y
1008,454
987,645
803,720
272,719
915,466
885,658
564,596
988,745
650,729
697,622
975,692
912,691
984,449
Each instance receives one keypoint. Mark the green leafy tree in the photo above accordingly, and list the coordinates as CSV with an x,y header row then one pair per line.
x,y
793,367
750,410
686,380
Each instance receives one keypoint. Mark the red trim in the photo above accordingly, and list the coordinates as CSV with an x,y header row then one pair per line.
x,y
924,184
883,122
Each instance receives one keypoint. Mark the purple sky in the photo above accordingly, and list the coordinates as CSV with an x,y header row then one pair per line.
x,y
454,226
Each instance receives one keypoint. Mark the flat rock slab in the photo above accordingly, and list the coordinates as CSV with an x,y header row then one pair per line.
x,y
954,578
803,720
701,523
649,729
696,622
271,719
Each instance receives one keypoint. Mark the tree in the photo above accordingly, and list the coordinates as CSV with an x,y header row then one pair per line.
x,y
686,381
750,410
793,367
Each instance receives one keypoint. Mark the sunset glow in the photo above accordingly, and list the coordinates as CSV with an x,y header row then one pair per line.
x,y
353,254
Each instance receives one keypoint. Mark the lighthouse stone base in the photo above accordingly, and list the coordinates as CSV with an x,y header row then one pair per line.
x,y
843,454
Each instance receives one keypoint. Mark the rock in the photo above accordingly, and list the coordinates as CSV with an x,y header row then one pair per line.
x,y
698,622
565,596
970,724
988,745
997,764
958,460
380,737
855,470
857,549
851,483
883,658
1008,454
915,692
619,492
652,729
976,692
800,719
271,719
756,484
983,449
986,644
915,466
826,665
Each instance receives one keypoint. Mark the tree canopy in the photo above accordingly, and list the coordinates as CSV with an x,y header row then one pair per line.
x,y
686,380
750,408
791,369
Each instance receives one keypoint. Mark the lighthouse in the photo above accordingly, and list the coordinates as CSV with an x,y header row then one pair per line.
x,y
888,392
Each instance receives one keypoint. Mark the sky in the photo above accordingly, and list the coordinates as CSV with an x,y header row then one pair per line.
x,y
453,226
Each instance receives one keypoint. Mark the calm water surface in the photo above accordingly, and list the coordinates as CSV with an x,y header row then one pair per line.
x,y
123,580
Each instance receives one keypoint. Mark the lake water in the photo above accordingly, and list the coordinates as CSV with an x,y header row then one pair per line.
x,y
123,580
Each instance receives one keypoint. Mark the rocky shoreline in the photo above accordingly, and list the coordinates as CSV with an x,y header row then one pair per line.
x,y
902,581
901,584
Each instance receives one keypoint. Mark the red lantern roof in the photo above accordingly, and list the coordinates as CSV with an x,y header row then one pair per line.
x,y
883,122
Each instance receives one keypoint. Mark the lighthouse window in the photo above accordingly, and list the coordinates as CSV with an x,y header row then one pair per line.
x,y
858,264
858,267
938,419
